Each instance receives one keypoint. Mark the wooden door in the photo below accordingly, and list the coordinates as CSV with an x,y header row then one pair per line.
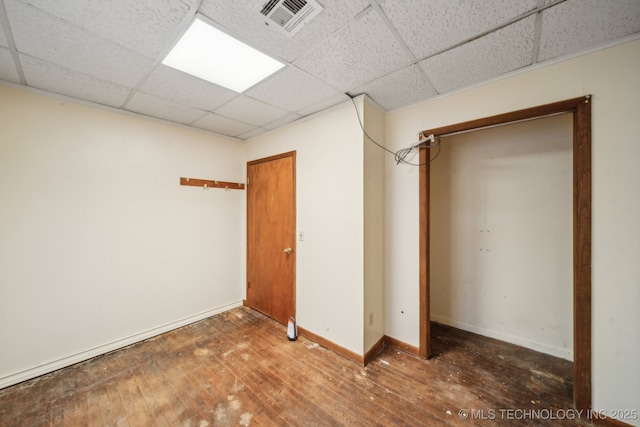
x,y
271,236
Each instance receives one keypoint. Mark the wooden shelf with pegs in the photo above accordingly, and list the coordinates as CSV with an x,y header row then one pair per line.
x,y
206,183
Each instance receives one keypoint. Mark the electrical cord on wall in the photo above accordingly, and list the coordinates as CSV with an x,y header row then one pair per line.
x,y
404,152
401,155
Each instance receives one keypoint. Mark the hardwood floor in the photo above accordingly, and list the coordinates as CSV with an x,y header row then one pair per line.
x,y
238,368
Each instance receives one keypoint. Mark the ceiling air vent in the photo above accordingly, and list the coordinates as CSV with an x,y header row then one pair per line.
x,y
289,16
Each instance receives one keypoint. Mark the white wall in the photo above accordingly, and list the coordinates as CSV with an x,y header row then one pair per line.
x,y
611,76
99,244
502,234
329,187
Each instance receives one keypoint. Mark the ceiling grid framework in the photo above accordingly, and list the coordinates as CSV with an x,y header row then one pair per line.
x,y
536,34
399,52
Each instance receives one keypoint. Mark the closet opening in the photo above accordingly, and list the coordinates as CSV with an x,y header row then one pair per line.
x,y
580,111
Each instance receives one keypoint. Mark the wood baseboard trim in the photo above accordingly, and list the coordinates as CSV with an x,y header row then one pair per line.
x,y
330,345
374,350
384,341
603,421
400,345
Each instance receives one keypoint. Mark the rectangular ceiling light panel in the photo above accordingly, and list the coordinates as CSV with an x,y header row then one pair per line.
x,y
212,55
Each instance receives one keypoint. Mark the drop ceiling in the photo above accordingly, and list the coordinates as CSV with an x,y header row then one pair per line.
x,y
399,52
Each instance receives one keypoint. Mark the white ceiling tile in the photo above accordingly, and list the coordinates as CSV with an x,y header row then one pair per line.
x,y
241,18
98,49
222,125
398,89
249,110
169,83
291,89
162,109
143,26
323,105
361,52
578,24
8,67
253,133
499,52
56,79
40,35
283,121
431,26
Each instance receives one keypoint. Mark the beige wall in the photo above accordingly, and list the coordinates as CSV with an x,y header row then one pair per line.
x,y
329,187
373,213
611,76
99,244
340,206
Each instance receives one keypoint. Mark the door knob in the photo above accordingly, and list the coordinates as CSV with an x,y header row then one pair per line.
x,y
288,251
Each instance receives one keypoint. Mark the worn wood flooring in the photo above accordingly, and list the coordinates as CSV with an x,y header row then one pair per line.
x,y
238,368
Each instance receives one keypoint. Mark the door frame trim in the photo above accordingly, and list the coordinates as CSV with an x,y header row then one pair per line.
x,y
581,110
291,154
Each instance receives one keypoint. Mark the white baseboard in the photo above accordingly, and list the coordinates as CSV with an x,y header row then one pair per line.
x,y
54,365
564,353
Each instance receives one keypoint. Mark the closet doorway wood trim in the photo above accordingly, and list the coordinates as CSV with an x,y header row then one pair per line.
x,y
581,110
